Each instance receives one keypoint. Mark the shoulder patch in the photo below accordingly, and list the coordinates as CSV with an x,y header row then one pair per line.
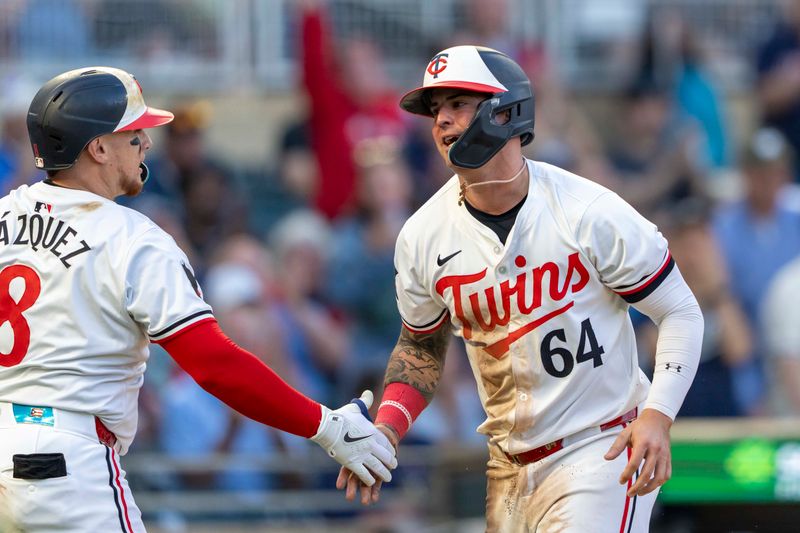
x,y
192,279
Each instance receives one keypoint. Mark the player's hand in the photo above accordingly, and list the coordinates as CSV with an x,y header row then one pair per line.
x,y
348,481
349,436
648,438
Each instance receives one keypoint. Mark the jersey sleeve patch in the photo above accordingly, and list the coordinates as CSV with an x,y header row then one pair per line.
x,y
180,325
430,327
644,287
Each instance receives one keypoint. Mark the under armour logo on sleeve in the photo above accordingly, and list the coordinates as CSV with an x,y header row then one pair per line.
x,y
671,366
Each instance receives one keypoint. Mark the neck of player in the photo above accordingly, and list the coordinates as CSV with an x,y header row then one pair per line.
x,y
72,179
497,186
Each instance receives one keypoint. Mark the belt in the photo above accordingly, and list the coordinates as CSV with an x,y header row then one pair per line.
x,y
83,423
104,435
537,454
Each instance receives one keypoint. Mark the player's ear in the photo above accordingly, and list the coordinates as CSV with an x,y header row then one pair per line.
x,y
98,149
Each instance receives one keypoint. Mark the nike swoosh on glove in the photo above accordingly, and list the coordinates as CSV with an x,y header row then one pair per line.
x,y
349,436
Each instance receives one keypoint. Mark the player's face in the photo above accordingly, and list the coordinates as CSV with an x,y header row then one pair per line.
x,y
453,110
129,149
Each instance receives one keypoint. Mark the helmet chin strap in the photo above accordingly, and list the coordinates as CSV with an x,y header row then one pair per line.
x,y
144,172
462,195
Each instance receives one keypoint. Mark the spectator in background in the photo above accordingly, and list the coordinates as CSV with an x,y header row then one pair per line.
x,y
653,153
673,55
215,208
780,320
486,23
350,100
565,137
292,185
315,337
248,251
758,235
162,31
778,69
8,22
727,342
361,281
16,156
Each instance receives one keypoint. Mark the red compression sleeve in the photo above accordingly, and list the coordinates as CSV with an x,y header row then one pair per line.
x,y
401,405
241,380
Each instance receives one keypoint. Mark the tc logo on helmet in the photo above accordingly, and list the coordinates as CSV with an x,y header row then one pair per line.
x,y
437,65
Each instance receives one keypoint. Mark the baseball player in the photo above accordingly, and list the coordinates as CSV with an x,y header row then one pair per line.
x,y
535,268
85,286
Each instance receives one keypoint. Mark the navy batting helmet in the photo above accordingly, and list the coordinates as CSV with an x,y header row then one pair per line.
x,y
484,70
77,106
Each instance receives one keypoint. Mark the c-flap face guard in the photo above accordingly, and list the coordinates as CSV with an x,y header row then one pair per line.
x,y
484,137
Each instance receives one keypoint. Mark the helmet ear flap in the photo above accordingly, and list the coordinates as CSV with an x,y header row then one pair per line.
x,y
483,138
527,138
524,120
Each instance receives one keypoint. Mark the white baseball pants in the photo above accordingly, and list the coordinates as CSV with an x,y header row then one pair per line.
x,y
574,490
93,496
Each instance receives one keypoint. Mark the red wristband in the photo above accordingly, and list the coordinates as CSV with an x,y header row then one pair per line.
x,y
401,405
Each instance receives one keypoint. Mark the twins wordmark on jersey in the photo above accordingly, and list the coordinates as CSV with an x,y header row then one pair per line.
x,y
524,292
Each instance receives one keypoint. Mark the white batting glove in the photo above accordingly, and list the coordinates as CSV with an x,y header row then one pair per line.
x,y
349,436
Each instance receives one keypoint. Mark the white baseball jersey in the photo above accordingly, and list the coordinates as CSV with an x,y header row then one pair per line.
x,y
545,316
85,285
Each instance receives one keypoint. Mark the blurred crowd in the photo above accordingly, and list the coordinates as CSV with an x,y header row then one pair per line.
x,y
72,30
297,259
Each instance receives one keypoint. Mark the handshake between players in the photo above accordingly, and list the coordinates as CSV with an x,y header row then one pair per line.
x,y
347,434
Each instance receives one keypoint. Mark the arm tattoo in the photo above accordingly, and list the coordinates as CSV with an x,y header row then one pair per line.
x,y
418,360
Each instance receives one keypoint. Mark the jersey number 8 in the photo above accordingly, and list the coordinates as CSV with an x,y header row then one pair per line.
x,y
11,310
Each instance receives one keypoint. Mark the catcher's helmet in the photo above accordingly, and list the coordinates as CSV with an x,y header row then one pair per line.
x,y
483,70
75,107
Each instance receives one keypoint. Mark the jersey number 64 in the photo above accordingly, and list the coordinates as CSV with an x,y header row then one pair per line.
x,y
588,350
